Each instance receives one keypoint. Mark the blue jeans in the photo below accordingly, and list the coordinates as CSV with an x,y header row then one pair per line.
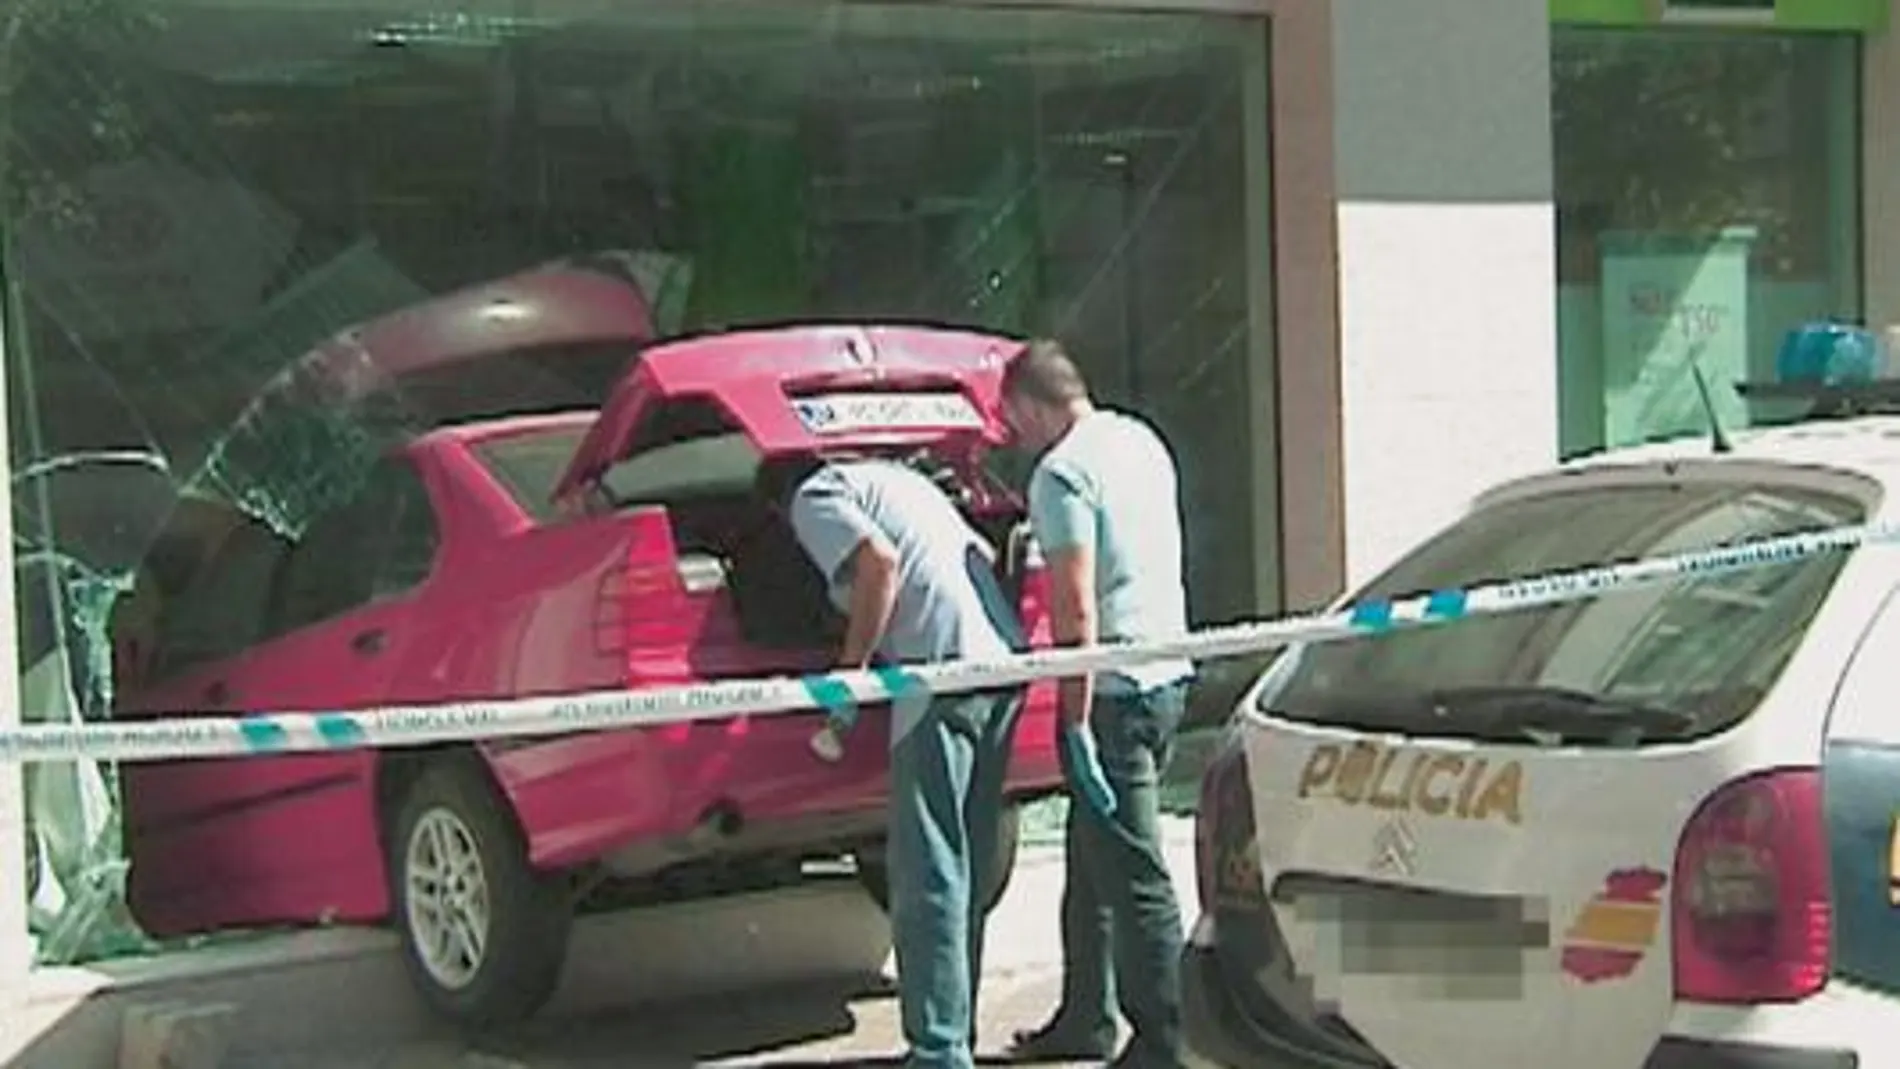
x,y
946,802
1121,924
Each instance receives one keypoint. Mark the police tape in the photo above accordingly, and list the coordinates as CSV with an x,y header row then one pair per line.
x,y
264,734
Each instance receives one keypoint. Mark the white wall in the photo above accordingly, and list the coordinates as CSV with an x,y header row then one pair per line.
x,y
1447,260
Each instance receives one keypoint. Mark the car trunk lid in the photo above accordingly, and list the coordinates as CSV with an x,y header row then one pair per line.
x,y
1462,905
818,388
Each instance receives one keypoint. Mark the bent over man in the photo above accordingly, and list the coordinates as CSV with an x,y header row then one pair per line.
x,y
1104,506
917,584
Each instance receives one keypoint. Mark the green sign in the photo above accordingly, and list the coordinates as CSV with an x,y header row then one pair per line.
x,y
1673,305
1864,16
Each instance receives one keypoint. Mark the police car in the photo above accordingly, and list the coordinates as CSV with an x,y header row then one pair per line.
x,y
1656,828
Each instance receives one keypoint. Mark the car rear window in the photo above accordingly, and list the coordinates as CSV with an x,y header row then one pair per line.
x,y
1706,649
478,386
714,465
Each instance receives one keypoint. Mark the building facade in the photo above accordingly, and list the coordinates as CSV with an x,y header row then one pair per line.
x,y
1356,259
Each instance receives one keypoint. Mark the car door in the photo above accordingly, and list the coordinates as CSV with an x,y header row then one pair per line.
x,y
205,611
293,838
1862,770
343,601
197,608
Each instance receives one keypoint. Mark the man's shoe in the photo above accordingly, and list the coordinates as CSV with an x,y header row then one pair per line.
x,y
1056,1042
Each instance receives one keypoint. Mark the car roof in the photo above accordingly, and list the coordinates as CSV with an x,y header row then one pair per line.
x,y
478,431
551,304
1864,444
1867,447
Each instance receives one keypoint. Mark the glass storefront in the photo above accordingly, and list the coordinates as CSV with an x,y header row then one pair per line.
x,y
217,212
1707,189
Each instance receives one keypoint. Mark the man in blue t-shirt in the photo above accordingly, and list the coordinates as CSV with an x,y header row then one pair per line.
x,y
1104,507
917,584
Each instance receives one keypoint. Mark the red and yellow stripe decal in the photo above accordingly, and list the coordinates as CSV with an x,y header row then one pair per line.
x,y
1616,927
1893,863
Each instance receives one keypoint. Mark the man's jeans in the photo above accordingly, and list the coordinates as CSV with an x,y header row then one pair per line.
x,y
1120,918
946,802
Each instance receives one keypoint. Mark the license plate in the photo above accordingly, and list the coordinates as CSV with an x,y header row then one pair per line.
x,y
844,413
1425,934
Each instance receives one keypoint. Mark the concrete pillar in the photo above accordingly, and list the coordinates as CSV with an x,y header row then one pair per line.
x,y
1263,409
1880,179
1305,307
1447,260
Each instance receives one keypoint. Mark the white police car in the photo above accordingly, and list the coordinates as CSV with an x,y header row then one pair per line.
x,y
1652,829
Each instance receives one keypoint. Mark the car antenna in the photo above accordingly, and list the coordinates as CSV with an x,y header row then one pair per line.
x,y
1718,441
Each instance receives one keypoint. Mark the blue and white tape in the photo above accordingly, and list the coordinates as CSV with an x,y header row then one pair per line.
x,y
841,707
841,694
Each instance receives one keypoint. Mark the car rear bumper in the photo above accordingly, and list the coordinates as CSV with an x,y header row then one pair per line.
x,y
1220,1033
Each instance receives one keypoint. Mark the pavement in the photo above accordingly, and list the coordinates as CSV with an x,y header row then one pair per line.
x,y
813,1025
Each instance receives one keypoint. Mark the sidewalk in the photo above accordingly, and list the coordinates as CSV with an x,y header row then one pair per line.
x,y
790,1027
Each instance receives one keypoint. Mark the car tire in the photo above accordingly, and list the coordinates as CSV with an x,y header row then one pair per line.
x,y
875,876
452,816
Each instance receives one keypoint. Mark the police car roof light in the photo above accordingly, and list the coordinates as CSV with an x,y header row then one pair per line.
x,y
1828,400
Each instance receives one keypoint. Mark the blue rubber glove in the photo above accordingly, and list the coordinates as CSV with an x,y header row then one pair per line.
x,y
828,742
841,714
1082,766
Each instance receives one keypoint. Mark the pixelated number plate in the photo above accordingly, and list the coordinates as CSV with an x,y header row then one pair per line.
x,y
1424,934
843,413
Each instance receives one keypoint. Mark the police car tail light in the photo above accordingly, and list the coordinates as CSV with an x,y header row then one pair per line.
x,y
1225,859
1751,906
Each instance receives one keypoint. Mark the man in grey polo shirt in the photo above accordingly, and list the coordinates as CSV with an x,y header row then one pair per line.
x,y
1104,506
917,584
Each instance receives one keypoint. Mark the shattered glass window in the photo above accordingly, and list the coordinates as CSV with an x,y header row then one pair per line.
x,y
251,248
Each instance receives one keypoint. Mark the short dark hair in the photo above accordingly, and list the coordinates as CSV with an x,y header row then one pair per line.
x,y
1044,372
779,477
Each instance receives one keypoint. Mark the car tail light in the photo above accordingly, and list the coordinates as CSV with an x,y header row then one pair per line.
x,y
612,592
1026,571
619,593
1226,857
1751,909
1033,606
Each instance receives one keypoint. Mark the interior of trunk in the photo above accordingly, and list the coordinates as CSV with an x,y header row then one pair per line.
x,y
779,596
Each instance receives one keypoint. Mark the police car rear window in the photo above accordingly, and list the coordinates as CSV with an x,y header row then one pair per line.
x,y
1657,664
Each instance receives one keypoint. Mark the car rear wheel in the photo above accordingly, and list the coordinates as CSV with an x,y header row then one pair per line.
x,y
484,935
875,875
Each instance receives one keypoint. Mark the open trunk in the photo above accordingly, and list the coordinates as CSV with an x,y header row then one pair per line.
x,y
690,423
725,540
779,598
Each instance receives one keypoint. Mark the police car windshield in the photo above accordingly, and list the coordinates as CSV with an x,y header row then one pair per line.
x,y
1660,663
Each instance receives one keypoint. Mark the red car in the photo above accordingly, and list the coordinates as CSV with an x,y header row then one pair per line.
x,y
451,573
